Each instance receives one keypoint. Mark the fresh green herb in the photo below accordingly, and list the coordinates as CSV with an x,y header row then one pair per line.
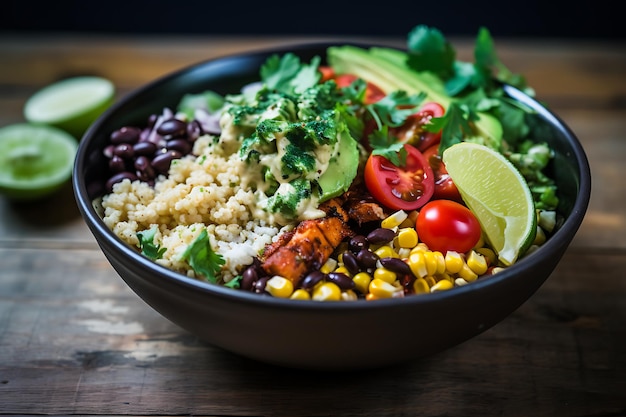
x,y
387,146
288,74
202,259
148,247
477,86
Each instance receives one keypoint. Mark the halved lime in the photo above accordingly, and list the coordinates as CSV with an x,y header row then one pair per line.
x,y
497,194
72,104
35,160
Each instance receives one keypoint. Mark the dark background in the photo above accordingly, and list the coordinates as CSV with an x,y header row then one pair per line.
x,y
558,19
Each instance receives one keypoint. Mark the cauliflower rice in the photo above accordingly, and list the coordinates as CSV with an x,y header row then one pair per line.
x,y
209,191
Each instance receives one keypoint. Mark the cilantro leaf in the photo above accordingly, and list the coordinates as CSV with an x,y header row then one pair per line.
x,y
388,147
148,247
394,108
288,74
430,51
202,259
454,125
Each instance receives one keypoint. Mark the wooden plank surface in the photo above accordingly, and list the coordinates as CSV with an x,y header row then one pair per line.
x,y
75,340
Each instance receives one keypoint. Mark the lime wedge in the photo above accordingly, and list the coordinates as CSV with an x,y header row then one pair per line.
x,y
497,194
72,104
35,160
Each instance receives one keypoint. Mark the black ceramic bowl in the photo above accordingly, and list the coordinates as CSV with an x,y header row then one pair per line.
x,y
311,334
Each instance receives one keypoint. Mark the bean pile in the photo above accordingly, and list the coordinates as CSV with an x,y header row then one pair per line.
x,y
144,153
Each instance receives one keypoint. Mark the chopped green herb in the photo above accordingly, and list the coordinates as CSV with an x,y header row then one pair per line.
x,y
202,259
148,247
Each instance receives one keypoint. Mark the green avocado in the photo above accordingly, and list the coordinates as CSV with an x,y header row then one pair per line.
x,y
342,168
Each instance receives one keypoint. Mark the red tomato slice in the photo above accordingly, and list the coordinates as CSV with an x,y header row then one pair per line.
x,y
400,188
445,225
413,132
444,186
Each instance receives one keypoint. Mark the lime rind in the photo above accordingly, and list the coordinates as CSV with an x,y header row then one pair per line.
x,y
497,194
35,160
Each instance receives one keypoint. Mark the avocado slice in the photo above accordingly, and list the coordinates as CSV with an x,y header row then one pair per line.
x,y
342,168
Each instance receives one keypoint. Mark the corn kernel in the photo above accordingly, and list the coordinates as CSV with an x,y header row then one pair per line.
x,y
326,291
385,275
279,287
467,274
386,252
460,282
348,295
441,262
407,237
431,262
382,289
394,220
454,261
442,285
420,247
342,270
477,262
417,263
329,266
362,281
403,253
540,237
489,254
410,219
420,286
300,294
430,280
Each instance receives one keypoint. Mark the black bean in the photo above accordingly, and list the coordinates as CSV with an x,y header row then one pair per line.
x,y
117,164
367,259
161,162
380,235
145,172
259,285
118,178
396,265
144,148
341,280
248,278
126,134
124,150
350,262
309,281
181,145
172,128
357,243
194,130
152,120
108,151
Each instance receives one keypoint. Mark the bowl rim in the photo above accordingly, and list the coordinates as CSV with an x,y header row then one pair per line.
x,y
100,231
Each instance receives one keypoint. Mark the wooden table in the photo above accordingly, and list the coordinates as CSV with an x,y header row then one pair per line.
x,y
74,340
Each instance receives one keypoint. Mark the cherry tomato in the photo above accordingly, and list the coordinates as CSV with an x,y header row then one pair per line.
x,y
408,187
444,186
445,225
413,132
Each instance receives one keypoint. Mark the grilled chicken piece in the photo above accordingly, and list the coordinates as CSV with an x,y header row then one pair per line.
x,y
362,208
309,246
